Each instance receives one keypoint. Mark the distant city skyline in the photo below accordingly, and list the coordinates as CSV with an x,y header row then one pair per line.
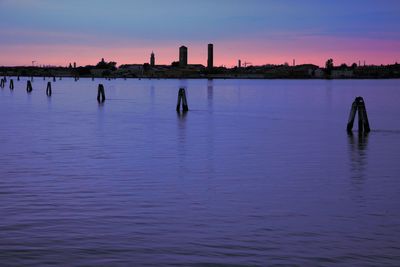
x,y
257,31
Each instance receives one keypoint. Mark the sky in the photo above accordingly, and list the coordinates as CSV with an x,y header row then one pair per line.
x,y
53,32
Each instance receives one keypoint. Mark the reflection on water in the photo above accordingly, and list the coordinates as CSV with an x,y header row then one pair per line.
x,y
358,149
210,93
182,118
182,145
181,115
49,103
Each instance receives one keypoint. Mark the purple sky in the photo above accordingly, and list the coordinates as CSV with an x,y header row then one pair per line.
x,y
256,31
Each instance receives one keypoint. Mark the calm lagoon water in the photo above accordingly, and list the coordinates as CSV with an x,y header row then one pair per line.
x,y
258,172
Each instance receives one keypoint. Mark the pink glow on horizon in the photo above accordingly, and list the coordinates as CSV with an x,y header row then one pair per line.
x,y
305,49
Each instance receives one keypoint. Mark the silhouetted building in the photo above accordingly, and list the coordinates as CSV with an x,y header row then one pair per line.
x,y
74,65
210,60
152,60
183,56
239,63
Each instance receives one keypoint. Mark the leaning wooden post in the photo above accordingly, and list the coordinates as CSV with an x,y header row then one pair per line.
x,y
178,105
2,83
18,78
28,86
182,97
54,78
352,116
11,84
48,89
366,122
101,97
363,124
184,102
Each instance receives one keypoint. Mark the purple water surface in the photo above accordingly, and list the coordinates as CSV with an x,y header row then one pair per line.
x,y
258,172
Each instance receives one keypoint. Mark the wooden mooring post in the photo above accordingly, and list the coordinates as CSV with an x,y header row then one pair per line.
x,y
28,86
18,78
2,83
48,89
54,78
363,124
182,97
11,84
101,96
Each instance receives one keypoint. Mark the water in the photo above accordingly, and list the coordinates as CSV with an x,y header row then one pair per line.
x,y
258,172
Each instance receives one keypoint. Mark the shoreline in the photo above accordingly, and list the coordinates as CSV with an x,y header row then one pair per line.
x,y
195,78
306,71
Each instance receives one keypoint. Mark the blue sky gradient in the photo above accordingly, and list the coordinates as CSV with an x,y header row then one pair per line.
x,y
261,31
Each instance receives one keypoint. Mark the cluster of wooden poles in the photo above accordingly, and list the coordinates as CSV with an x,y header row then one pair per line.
x,y
363,124
101,97
357,106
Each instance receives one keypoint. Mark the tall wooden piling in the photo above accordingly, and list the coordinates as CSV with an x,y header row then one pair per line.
x,y
11,84
28,86
101,96
182,97
54,78
352,116
18,78
2,83
363,123
48,89
362,116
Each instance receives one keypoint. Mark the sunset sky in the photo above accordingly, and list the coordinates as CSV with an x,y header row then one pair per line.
x,y
257,31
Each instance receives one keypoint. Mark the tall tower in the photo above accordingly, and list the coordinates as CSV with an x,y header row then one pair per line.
x,y
183,56
210,60
152,60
